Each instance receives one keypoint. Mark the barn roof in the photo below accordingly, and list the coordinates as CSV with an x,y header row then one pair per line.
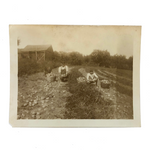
x,y
36,48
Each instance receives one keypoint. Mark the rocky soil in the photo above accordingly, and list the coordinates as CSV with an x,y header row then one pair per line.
x,y
40,99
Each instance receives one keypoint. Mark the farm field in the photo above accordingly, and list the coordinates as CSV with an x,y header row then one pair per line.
x,y
40,99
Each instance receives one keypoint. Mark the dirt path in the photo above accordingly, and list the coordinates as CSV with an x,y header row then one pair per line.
x,y
38,99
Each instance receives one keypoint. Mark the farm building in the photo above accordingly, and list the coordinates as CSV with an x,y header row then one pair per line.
x,y
36,52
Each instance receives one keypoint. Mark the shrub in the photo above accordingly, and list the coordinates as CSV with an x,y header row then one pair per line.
x,y
29,66
26,67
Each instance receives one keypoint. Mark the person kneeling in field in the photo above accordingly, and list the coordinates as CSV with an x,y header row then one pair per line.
x,y
63,70
92,77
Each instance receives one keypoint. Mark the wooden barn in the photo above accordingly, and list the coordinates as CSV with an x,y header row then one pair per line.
x,y
36,52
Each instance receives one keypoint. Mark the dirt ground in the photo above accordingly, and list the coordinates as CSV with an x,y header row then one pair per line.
x,y
40,99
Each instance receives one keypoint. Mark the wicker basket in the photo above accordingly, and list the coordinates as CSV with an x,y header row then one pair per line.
x,y
51,78
105,85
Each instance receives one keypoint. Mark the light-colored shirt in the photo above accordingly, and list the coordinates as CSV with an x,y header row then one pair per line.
x,y
91,76
61,68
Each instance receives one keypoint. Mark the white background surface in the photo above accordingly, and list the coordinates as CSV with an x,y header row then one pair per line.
x,y
106,12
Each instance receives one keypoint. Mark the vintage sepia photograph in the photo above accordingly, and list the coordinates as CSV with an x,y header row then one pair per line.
x,y
68,72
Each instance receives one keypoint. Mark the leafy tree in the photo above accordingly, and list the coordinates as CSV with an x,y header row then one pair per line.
x,y
97,57
101,57
86,59
76,58
64,56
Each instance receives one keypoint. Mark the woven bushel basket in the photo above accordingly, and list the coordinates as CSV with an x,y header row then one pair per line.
x,y
105,85
52,78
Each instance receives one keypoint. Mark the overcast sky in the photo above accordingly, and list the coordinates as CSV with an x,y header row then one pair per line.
x,y
84,39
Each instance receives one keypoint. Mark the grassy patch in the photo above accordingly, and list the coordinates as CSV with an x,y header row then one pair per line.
x,y
86,102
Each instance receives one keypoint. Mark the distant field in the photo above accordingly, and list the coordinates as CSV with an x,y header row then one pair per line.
x,y
122,78
119,72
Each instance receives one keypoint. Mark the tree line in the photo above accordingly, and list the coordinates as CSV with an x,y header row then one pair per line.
x,y
100,58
